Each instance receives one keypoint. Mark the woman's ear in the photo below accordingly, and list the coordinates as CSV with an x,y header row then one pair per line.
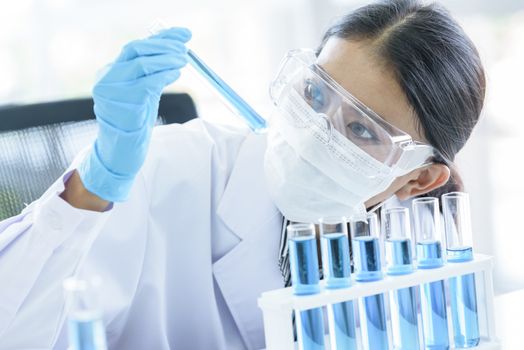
x,y
424,180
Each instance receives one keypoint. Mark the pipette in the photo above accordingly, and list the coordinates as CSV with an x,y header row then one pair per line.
x,y
237,103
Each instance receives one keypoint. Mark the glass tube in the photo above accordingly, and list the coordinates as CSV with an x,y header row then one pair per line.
x,y
399,261
232,99
368,267
426,215
457,223
336,265
241,107
303,259
428,232
85,327
463,294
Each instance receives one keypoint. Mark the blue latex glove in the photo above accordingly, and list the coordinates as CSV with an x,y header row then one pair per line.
x,y
126,107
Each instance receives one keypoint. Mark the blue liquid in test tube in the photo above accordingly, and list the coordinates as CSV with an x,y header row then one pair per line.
x,y
367,251
311,329
404,306
404,313
243,109
426,215
337,269
433,298
435,323
429,254
401,257
86,333
304,274
463,294
85,327
464,311
399,261
375,322
337,274
341,317
368,267
305,280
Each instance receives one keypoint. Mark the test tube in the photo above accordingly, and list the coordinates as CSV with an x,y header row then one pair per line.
x,y
303,259
399,261
336,265
234,101
239,106
459,237
429,256
85,327
368,267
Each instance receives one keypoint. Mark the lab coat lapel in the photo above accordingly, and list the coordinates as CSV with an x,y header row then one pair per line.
x,y
250,268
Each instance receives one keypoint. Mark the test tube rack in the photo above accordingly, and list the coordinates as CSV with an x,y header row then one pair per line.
x,y
277,305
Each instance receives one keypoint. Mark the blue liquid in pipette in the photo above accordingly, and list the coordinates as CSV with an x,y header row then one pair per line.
x,y
337,268
304,265
244,110
429,254
464,302
404,318
337,274
367,259
374,317
86,334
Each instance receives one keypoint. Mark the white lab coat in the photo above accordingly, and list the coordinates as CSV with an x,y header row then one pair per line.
x,y
183,260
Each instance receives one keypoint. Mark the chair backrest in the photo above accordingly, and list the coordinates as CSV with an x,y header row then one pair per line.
x,y
39,141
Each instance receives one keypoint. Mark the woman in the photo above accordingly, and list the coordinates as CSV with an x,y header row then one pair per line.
x,y
193,237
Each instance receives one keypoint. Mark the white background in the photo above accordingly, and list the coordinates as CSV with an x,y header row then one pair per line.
x,y
52,49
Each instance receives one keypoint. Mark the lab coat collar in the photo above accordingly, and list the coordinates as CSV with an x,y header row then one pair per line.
x,y
246,190
250,268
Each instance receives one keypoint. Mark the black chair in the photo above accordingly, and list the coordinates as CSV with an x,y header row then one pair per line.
x,y
38,142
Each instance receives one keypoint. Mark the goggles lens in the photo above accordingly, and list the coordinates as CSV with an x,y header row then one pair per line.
x,y
347,115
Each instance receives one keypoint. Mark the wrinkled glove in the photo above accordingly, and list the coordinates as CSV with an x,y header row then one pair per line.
x,y
126,107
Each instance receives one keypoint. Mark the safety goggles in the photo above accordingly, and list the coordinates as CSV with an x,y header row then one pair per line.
x,y
343,114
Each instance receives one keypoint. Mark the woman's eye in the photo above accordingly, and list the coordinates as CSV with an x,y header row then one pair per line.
x,y
361,131
314,96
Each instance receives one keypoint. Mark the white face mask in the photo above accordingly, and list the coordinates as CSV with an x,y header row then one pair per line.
x,y
312,171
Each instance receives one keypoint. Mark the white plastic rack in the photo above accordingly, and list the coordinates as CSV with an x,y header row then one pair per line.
x,y
277,305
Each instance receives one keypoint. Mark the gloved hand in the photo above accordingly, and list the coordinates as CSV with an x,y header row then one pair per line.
x,y
126,107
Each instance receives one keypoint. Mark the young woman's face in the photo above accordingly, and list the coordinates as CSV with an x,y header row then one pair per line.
x,y
355,66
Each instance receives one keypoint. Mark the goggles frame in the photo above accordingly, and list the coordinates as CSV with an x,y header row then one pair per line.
x,y
401,141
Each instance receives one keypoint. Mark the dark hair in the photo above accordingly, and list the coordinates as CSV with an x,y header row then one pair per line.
x,y
435,63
